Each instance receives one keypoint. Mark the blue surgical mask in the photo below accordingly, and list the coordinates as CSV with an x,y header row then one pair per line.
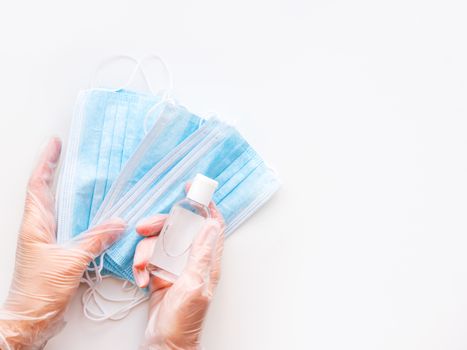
x,y
245,183
106,129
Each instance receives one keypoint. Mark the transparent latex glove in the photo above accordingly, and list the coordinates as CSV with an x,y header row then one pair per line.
x,y
177,311
46,274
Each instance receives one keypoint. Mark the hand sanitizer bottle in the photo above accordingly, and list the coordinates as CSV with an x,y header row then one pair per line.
x,y
185,221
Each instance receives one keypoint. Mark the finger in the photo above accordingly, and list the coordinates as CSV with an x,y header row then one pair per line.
x,y
95,241
152,225
39,213
205,254
43,175
216,263
143,278
216,215
157,283
143,253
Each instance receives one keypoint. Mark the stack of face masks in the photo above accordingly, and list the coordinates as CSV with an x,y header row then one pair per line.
x,y
130,155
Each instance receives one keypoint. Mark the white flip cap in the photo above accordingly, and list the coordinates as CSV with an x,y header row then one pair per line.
x,y
202,189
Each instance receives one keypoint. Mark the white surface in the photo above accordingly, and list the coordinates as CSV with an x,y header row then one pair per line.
x,y
360,105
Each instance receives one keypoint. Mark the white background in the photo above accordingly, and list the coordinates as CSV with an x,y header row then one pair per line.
x,y
360,106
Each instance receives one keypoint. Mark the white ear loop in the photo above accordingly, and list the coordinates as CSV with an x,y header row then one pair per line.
x,y
163,64
166,92
95,81
94,296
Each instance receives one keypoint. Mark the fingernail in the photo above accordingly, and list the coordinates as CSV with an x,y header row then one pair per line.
x,y
53,147
152,220
152,225
141,277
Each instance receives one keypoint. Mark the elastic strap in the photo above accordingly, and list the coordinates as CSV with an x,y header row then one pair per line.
x,y
164,65
138,66
93,298
95,80
165,93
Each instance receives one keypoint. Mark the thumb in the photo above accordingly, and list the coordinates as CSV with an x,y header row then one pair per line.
x,y
39,213
95,241
204,262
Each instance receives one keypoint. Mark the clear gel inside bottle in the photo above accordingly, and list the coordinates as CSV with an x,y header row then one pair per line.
x,y
185,221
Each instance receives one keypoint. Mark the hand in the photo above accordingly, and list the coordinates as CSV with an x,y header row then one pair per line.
x,y
46,275
177,311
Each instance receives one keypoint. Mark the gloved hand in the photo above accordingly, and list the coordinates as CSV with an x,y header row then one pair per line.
x,y
177,311
46,275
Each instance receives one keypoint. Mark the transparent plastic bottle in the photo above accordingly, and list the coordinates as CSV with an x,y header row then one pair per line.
x,y
185,221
